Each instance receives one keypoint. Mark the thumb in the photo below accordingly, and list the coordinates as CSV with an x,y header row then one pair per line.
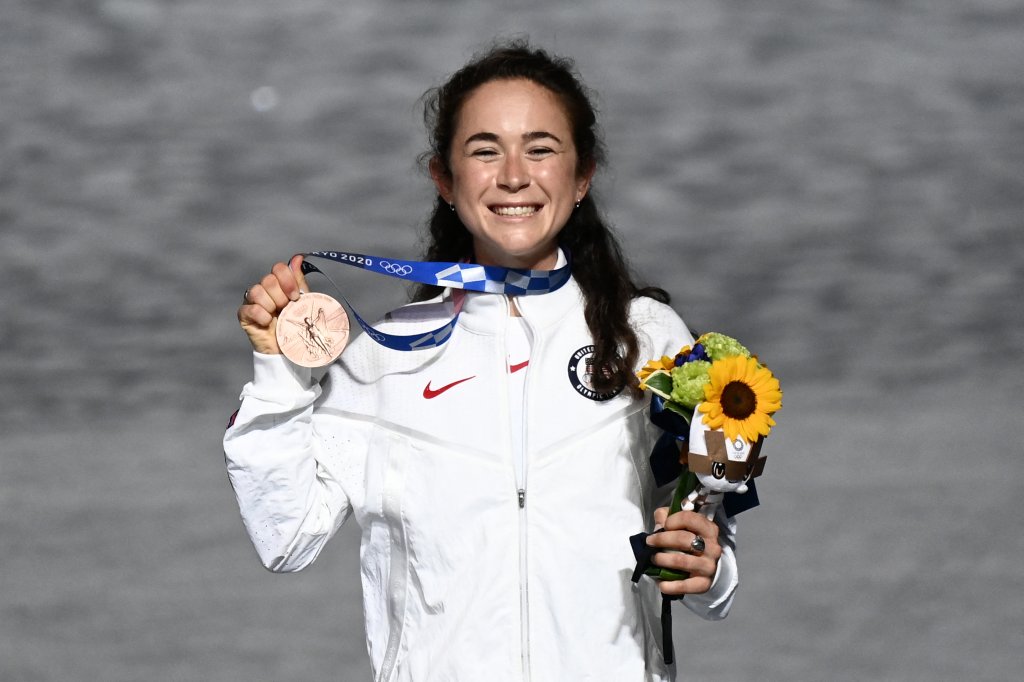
x,y
295,264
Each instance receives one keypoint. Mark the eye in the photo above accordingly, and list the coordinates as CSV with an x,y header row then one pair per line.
x,y
539,152
718,469
485,153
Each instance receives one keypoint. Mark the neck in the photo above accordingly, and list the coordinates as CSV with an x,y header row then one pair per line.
x,y
545,262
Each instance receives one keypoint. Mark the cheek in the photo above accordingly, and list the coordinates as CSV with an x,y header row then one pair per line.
x,y
559,183
469,181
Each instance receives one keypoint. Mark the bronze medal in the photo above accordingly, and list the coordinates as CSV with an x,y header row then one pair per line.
x,y
313,330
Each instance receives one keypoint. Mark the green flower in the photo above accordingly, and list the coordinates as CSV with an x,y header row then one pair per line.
x,y
719,346
688,382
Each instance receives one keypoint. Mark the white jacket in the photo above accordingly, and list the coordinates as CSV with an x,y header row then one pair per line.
x,y
467,573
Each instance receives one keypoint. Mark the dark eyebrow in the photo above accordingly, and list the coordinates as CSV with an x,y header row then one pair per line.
x,y
481,137
540,134
527,137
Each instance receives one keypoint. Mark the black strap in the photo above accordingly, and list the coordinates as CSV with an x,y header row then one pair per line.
x,y
666,630
644,554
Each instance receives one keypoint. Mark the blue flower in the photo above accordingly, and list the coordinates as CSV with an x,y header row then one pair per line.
x,y
696,353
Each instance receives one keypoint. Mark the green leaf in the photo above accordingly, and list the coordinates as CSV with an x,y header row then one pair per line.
x,y
660,384
672,574
683,412
666,573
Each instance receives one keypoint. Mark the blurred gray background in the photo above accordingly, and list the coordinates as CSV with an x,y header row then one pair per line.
x,y
839,183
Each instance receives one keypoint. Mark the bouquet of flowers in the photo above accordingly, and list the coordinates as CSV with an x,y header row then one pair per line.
x,y
715,402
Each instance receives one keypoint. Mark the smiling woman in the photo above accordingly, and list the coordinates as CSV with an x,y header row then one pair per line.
x,y
512,173
497,478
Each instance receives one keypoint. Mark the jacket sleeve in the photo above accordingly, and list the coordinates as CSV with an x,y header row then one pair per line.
x,y
290,501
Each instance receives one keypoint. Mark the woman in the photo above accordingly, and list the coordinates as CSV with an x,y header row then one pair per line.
x,y
496,478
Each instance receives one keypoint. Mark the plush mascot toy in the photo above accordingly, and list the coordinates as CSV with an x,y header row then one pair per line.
x,y
720,464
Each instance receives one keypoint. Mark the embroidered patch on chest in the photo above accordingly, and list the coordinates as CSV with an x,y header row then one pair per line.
x,y
581,369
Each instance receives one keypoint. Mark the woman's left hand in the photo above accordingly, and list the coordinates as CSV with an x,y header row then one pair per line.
x,y
681,529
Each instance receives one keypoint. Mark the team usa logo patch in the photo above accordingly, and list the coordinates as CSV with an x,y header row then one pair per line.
x,y
581,369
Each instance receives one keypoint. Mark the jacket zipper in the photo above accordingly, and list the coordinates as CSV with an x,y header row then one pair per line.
x,y
524,589
520,475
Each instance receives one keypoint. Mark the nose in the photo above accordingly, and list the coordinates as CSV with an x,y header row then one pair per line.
x,y
514,174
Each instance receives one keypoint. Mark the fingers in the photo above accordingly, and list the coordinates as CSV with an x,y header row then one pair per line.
x,y
255,315
686,520
259,323
676,539
692,585
279,287
677,552
683,541
281,284
265,300
700,569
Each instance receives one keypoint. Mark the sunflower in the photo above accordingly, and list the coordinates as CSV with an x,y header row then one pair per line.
x,y
665,363
740,398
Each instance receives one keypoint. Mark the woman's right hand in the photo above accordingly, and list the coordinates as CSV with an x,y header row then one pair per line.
x,y
264,301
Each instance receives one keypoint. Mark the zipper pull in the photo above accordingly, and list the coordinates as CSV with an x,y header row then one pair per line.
x,y
522,498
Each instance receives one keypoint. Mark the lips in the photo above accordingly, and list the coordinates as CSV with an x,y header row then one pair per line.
x,y
517,211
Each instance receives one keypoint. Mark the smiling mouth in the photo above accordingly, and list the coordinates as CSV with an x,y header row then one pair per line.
x,y
515,211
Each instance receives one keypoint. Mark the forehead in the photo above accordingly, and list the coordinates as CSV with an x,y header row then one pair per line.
x,y
512,106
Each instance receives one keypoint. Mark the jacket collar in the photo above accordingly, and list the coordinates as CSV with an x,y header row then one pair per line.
x,y
483,313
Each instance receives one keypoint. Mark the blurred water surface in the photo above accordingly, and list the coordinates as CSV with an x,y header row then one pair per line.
x,y
838,182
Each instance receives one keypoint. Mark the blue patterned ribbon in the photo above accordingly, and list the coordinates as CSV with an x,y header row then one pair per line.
x,y
467,276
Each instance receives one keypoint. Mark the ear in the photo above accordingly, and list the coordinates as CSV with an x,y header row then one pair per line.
x,y
583,181
442,179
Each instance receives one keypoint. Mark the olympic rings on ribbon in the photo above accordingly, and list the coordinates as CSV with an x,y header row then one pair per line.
x,y
395,268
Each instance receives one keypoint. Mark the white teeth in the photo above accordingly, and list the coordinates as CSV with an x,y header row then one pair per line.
x,y
515,210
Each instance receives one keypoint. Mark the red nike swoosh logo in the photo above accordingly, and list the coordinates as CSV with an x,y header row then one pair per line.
x,y
429,393
512,369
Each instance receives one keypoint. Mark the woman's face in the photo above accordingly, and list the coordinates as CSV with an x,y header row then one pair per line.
x,y
513,179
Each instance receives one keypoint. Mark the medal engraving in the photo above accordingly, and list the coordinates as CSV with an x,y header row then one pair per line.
x,y
313,330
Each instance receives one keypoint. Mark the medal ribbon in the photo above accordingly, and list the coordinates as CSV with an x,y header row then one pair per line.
x,y
461,276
